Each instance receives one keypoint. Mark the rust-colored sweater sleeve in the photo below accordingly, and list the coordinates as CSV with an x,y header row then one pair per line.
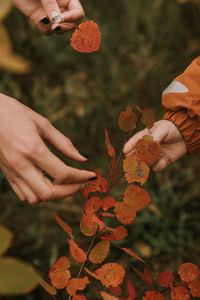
x,y
181,102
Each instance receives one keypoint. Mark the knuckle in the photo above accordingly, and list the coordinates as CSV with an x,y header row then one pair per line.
x,y
47,195
81,14
45,122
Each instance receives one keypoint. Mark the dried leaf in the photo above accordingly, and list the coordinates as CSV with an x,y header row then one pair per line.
x,y
59,274
115,234
92,204
98,185
137,197
188,272
47,287
77,284
107,203
64,226
180,293
111,274
166,279
86,38
194,287
132,253
148,150
135,170
99,252
147,276
77,253
131,290
115,290
109,146
148,117
127,119
124,212
86,230
107,296
79,297
153,295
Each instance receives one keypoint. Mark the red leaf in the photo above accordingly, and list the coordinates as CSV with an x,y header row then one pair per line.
x,y
148,150
107,203
59,274
137,197
109,146
115,290
131,290
86,38
124,212
79,297
77,284
148,117
153,295
86,230
64,225
135,170
148,276
98,185
166,279
107,296
132,253
78,254
188,272
115,234
127,119
180,293
92,204
194,287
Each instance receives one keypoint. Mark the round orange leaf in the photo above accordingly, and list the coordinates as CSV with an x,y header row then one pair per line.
x,y
166,279
148,117
194,287
78,254
99,252
137,197
107,296
127,119
86,38
111,274
135,170
92,204
188,272
107,202
59,274
180,293
153,295
77,284
124,212
86,230
115,234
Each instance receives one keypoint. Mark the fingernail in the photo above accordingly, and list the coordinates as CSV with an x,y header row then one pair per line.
x,y
83,186
56,17
93,178
57,29
45,21
84,154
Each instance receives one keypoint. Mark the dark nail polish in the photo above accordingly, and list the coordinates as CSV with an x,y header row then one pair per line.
x,y
93,178
45,21
84,154
57,29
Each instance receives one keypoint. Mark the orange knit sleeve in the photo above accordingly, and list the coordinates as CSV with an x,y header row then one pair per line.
x,y
181,102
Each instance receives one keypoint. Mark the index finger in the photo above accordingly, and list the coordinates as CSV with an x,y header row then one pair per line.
x,y
74,12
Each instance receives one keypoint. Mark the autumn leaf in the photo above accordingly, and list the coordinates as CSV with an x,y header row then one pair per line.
x,y
98,185
111,274
137,197
127,119
92,204
166,279
148,117
194,287
108,202
107,296
59,274
114,234
132,253
86,38
77,253
115,290
135,170
131,290
188,272
99,252
109,146
86,230
153,295
124,212
147,276
180,293
77,284
64,225
47,287
79,297
148,150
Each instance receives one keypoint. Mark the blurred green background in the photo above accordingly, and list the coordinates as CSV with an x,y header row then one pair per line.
x,y
145,44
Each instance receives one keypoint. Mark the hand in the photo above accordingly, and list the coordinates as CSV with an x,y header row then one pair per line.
x,y
24,157
172,143
52,16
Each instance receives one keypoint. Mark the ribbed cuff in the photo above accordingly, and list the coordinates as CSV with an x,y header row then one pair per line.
x,y
189,128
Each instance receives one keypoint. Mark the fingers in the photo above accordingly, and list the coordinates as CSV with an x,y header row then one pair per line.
x,y
74,11
59,141
52,10
130,145
162,164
